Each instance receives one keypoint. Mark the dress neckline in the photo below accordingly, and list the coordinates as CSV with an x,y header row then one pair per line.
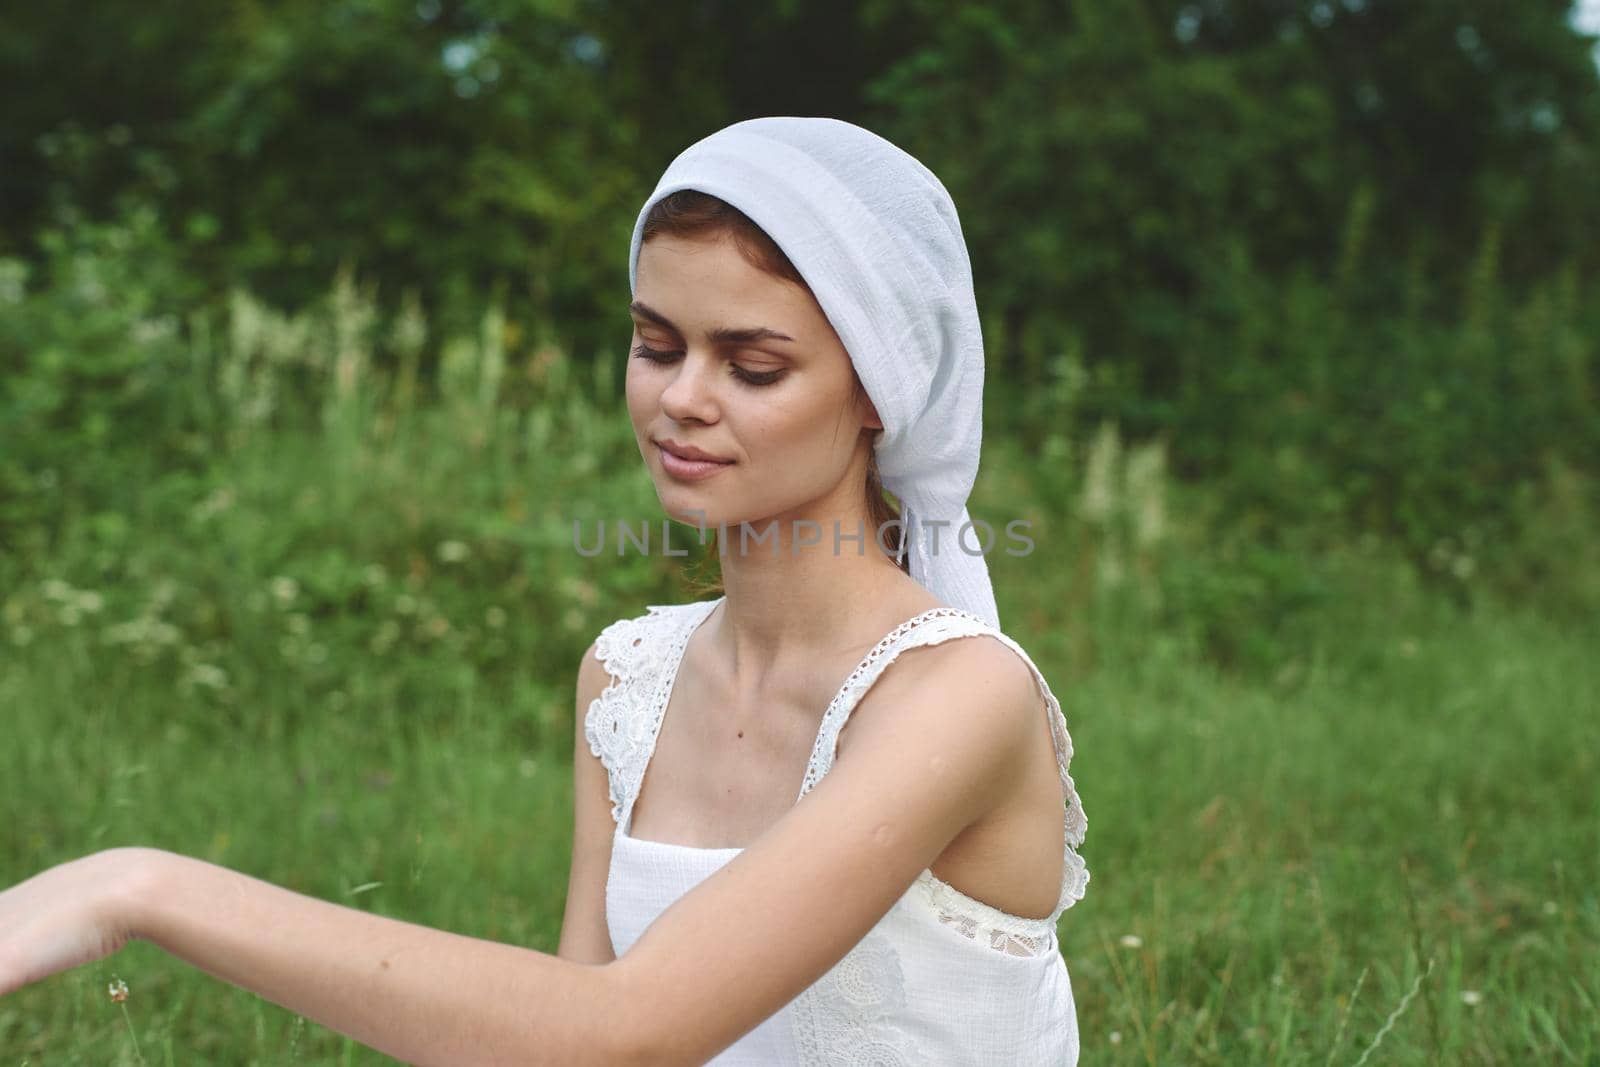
x,y
932,888
671,683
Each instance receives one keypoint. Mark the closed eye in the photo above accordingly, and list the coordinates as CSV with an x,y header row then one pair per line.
x,y
746,377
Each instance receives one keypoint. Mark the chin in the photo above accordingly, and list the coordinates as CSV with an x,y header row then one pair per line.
x,y
695,510
689,507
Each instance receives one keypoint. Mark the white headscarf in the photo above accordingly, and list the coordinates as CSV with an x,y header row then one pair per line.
x,y
875,235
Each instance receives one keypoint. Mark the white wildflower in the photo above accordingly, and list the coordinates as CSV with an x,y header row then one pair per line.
x,y
218,500
208,676
1099,490
386,634
284,589
1146,482
143,630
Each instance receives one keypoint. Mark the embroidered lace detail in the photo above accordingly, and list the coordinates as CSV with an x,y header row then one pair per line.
x,y
1012,934
1075,878
848,1015
642,656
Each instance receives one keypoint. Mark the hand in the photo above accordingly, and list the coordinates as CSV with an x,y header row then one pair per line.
x,y
69,915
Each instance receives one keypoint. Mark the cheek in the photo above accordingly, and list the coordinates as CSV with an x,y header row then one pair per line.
x,y
638,391
819,425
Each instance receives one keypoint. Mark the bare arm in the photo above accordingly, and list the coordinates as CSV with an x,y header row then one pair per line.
x,y
421,995
403,988
585,937
929,754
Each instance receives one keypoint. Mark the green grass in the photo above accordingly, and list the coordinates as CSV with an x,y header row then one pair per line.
x,y
343,661
1424,793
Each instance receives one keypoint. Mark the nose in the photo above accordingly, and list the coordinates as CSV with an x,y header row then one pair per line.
x,y
690,392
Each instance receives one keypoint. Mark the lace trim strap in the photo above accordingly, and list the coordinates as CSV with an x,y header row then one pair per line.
x,y
930,627
1075,878
641,654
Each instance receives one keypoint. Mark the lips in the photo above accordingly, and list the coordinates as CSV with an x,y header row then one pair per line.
x,y
676,467
689,452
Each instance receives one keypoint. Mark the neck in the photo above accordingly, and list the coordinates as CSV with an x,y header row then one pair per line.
x,y
798,596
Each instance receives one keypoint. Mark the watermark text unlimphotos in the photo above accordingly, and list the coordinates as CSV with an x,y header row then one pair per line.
x,y
973,537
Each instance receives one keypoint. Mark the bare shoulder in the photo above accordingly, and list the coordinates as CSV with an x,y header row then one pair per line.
x,y
592,676
976,687
954,673
585,936
985,664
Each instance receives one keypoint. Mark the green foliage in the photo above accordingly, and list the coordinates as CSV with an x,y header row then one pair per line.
x,y
94,382
330,519
338,653
1340,255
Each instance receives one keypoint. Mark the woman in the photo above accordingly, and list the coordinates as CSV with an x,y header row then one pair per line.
x,y
803,327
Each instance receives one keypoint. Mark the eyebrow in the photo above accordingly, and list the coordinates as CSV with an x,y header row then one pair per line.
x,y
722,335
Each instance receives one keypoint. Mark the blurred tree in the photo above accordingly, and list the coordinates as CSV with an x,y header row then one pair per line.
x,y
1283,223
1115,162
1109,183
1119,161
93,100
450,145
1463,113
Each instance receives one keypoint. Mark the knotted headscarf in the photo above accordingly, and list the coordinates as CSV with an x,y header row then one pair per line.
x,y
876,237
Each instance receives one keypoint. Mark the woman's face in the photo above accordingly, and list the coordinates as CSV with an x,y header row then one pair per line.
x,y
744,367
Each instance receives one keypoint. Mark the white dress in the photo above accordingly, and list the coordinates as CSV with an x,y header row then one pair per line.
x,y
942,978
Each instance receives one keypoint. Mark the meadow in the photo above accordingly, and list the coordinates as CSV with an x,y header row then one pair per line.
x,y
1340,811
